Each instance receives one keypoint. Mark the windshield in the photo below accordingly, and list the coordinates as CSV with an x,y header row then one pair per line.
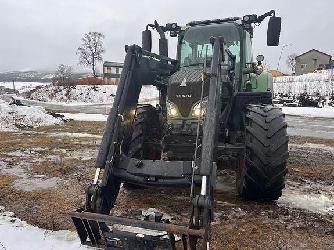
x,y
195,45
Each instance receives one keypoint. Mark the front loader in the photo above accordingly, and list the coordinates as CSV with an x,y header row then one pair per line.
x,y
215,109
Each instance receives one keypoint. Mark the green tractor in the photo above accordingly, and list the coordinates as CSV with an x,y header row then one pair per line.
x,y
215,109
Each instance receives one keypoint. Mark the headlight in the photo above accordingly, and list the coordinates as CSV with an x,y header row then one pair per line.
x,y
200,108
172,110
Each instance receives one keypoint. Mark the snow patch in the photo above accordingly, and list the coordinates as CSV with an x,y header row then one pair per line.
x,y
16,235
315,203
314,197
85,117
13,117
78,135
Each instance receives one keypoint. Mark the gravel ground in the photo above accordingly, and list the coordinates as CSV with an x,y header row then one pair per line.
x,y
44,171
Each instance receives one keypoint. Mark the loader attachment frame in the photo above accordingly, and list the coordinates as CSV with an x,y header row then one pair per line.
x,y
93,224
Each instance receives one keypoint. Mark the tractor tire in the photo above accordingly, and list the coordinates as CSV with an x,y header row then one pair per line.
x,y
262,175
146,130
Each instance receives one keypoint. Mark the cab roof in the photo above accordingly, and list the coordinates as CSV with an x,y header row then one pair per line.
x,y
213,21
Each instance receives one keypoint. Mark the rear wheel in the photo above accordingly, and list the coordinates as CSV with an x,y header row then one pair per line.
x,y
262,175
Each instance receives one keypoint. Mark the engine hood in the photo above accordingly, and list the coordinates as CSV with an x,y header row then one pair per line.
x,y
185,88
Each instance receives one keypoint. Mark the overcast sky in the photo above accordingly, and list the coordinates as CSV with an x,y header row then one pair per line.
x,y
40,34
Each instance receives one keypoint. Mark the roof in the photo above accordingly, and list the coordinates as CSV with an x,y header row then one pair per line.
x,y
276,73
113,64
316,51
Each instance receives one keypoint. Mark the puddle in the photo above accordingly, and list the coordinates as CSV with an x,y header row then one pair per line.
x,y
83,155
3,164
54,159
16,170
35,183
226,181
27,182
22,153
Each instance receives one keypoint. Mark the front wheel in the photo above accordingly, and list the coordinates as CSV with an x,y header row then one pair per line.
x,y
262,175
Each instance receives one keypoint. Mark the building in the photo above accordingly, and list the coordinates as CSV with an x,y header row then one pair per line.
x,y
112,72
311,61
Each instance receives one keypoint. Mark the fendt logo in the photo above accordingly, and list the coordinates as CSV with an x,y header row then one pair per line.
x,y
183,96
184,83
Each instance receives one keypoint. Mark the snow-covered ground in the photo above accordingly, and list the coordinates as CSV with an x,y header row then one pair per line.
x,y
22,86
13,117
17,235
321,82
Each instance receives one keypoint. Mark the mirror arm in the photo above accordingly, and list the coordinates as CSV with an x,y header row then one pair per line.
x,y
159,30
262,17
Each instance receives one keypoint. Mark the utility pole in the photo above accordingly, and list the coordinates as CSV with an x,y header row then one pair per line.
x,y
280,56
13,86
331,83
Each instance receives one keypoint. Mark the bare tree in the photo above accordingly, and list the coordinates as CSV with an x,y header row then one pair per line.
x,y
91,50
291,61
63,74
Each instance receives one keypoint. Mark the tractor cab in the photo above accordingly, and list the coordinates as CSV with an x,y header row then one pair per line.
x,y
188,89
195,48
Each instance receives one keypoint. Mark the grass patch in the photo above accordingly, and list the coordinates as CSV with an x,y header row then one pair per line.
x,y
44,208
90,127
62,168
6,180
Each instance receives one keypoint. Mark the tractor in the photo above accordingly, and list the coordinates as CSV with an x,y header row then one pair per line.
x,y
214,110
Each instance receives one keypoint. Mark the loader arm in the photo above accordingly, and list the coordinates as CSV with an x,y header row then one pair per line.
x,y
202,212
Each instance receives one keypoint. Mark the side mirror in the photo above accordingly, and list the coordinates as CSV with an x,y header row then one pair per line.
x,y
274,31
146,42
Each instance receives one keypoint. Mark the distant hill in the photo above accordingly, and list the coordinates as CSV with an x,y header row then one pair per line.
x,y
32,76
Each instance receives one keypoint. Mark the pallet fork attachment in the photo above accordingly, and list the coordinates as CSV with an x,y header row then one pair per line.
x,y
91,232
